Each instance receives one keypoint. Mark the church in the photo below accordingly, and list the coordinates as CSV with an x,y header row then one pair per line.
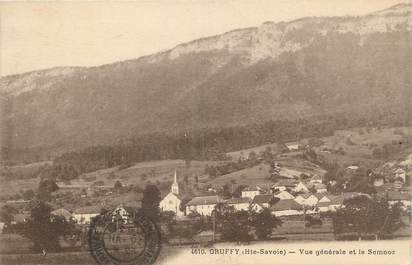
x,y
171,202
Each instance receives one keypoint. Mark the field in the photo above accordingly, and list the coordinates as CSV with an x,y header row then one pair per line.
x,y
245,152
139,174
12,187
290,167
145,172
358,144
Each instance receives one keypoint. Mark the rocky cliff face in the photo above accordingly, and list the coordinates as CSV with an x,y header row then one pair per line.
x,y
288,70
272,39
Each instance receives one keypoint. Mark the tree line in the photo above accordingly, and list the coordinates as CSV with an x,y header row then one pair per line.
x,y
206,144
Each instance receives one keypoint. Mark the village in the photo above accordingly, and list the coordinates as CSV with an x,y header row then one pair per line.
x,y
304,203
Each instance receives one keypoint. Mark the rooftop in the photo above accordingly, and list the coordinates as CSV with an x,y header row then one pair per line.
x,y
62,212
305,195
288,204
238,200
263,198
204,200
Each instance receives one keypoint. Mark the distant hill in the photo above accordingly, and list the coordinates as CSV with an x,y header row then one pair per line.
x,y
353,66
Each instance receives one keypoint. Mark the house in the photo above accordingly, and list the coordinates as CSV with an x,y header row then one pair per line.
x,y
378,180
127,213
320,188
352,168
172,201
301,187
316,179
62,213
293,146
307,199
239,203
286,208
250,192
398,183
84,215
324,197
400,173
329,203
284,184
262,201
324,206
397,197
284,195
203,205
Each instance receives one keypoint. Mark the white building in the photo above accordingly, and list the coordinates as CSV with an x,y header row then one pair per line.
x,y
320,188
127,213
203,205
301,187
330,203
85,214
292,146
378,181
397,197
250,192
171,202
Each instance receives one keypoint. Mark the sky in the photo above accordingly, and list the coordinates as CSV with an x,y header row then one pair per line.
x,y
39,35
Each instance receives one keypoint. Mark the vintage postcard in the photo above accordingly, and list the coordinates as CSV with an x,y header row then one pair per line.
x,y
206,132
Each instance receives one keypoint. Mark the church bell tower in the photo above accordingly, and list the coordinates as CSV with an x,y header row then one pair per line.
x,y
175,185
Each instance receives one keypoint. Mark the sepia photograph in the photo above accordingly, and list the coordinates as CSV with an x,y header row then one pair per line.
x,y
206,132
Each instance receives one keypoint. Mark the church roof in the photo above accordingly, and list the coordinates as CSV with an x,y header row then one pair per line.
x,y
172,193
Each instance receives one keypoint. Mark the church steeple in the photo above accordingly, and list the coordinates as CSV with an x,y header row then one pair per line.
x,y
175,185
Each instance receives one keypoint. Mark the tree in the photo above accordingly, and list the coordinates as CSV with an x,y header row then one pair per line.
x,y
226,191
43,229
235,226
264,222
6,214
169,219
28,194
150,202
118,186
186,179
238,191
45,188
362,215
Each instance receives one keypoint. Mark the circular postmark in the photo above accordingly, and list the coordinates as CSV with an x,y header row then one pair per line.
x,y
130,241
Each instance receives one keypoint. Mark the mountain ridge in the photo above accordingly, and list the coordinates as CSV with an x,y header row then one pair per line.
x,y
277,71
